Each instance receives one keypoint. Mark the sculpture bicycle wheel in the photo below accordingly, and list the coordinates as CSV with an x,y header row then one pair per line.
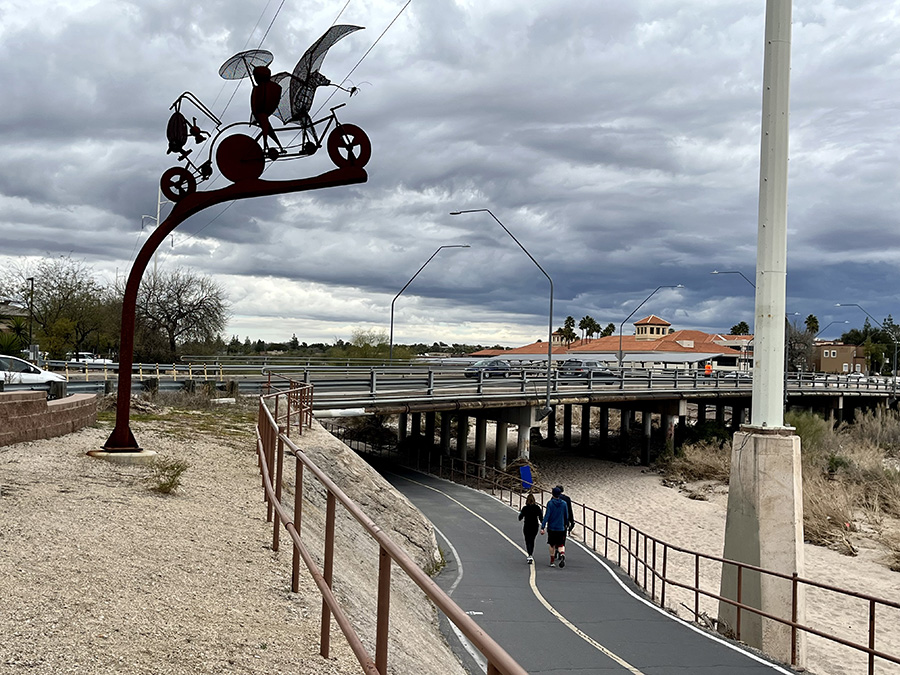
x,y
239,157
177,183
349,146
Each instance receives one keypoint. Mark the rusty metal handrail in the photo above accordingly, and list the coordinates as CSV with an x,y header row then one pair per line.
x,y
271,443
641,553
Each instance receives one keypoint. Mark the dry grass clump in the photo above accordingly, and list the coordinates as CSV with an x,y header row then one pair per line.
x,y
706,460
164,474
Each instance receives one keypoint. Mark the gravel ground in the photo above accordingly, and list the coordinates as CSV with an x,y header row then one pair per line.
x,y
100,574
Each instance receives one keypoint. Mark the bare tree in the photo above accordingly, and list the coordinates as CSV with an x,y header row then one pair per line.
x,y
70,304
178,307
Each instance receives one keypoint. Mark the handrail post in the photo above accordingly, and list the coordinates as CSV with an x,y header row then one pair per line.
x,y
430,382
298,515
697,585
327,574
279,473
269,460
662,592
871,636
383,610
794,619
740,584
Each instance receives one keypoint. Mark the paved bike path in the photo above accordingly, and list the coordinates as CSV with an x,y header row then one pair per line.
x,y
581,619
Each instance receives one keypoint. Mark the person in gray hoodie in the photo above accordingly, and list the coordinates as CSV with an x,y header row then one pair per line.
x,y
556,519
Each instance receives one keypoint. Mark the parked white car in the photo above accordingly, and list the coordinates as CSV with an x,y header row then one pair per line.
x,y
17,371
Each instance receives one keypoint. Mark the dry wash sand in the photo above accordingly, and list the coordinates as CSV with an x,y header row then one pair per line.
x,y
639,497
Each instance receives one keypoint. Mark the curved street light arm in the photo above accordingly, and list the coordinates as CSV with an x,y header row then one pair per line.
x,y
544,272
439,249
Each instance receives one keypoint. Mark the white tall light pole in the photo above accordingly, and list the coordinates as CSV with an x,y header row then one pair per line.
x,y
31,354
439,249
764,525
546,410
877,323
622,325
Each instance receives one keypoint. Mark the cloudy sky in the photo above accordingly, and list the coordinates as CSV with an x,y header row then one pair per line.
x,y
619,142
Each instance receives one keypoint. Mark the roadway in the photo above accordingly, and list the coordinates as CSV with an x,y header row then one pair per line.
x,y
586,618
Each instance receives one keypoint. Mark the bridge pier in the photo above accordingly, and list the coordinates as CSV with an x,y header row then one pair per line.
x,y
604,430
647,420
501,445
402,421
623,429
481,443
567,426
551,426
720,414
701,413
429,430
585,442
416,431
445,433
462,435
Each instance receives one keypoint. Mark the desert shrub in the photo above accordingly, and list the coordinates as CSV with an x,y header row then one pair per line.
x,y
164,474
881,428
818,439
705,433
828,512
708,460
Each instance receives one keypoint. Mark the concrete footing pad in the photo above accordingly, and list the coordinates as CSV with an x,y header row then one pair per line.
x,y
764,528
139,457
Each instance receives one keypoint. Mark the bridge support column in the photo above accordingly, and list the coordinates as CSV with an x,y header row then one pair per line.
x,y
701,413
445,433
429,430
839,409
737,417
764,528
501,445
604,429
567,426
585,426
401,426
623,428
720,414
647,419
462,435
481,443
416,430
523,440
551,426
667,422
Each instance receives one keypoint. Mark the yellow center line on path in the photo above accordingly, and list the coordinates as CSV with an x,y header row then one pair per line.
x,y
533,583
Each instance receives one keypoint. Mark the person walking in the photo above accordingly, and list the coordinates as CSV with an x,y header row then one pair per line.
x,y
570,520
555,520
531,514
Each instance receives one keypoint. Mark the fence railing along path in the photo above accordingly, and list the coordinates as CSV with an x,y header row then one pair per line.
x,y
291,409
651,562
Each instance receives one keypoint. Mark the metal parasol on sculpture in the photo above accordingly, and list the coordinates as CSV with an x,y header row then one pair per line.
x,y
241,152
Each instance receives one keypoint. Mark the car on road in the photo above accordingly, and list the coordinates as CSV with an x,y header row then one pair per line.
x,y
584,368
18,371
490,368
739,375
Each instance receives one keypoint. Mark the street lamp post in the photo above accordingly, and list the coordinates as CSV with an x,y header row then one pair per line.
x,y
877,323
439,249
550,331
30,280
622,325
826,327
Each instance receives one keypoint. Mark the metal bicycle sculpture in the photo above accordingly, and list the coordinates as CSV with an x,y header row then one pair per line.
x,y
242,158
287,96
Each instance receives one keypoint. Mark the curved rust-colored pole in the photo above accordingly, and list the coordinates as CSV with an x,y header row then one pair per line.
x,y
121,439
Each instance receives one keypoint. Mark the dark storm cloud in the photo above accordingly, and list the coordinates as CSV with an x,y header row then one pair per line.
x,y
620,144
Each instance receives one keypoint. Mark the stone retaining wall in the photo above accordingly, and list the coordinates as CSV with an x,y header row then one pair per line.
x,y
28,415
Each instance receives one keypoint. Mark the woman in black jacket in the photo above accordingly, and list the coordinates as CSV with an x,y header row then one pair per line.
x,y
532,514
